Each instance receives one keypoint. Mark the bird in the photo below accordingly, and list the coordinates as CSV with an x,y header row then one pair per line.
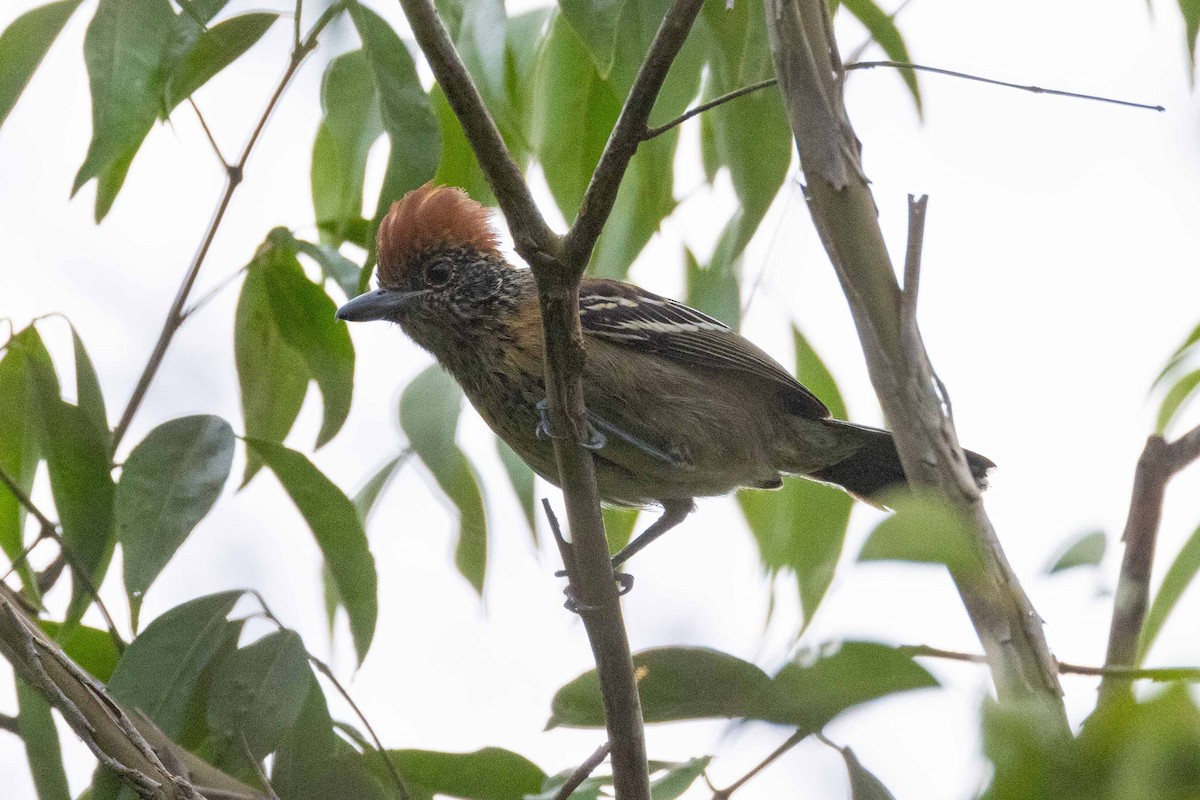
x,y
679,405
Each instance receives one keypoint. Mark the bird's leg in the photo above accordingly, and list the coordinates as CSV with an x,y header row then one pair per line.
x,y
674,512
596,439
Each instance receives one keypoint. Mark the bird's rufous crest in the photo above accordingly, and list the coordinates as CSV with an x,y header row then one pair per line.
x,y
427,217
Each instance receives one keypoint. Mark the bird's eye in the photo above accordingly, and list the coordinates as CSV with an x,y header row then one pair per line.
x,y
438,273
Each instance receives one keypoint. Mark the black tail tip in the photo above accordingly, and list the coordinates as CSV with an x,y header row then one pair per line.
x,y
980,466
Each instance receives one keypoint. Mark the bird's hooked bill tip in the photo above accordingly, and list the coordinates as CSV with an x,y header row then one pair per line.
x,y
379,304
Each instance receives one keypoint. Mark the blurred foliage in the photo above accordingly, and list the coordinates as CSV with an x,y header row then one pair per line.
x,y
554,78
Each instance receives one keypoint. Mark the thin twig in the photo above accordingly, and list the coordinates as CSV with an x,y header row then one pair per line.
x,y
650,133
208,296
10,724
788,744
583,771
863,65
325,670
208,133
912,259
233,178
1160,674
254,765
1022,87
1159,462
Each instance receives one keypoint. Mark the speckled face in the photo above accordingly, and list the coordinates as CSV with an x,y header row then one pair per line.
x,y
457,281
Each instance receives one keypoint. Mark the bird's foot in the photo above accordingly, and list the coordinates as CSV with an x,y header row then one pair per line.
x,y
596,439
624,586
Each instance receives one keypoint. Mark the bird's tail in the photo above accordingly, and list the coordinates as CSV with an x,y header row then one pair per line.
x,y
874,466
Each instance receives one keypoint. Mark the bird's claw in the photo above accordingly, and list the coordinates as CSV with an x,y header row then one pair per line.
x,y
596,439
624,586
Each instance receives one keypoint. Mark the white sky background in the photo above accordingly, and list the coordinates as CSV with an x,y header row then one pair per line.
x,y
1060,271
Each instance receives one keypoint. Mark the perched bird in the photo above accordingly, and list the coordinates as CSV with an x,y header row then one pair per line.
x,y
680,405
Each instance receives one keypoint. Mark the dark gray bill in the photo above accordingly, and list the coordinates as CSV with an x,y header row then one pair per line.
x,y
379,304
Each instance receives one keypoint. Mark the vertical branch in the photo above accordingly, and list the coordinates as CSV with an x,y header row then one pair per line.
x,y
844,212
1157,465
558,265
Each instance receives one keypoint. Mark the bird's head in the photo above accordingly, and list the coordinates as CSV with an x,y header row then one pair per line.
x,y
439,263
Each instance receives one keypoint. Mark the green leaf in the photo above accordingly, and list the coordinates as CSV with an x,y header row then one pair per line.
x,y
1179,577
1190,10
574,111
644,199
90,648
618,526
24,44
407,115
882,27
750,135
488,774
809,695
350,125
123,48
802,527
863,783
159,671
1180,354
87,386
306,320
21,408
335,266
272,376
458,166
678,778
1176,398
364,500
678,683
36,727
675,683
595,22
214,50
713,290
168,484
429,409
299,763
258,694
77,454
335,525
925,531
1085,551
521,478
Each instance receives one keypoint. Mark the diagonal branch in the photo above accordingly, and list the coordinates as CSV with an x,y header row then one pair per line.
x,y
1159,462
811,77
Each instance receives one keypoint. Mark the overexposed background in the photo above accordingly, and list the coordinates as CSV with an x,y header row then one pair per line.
x,y
1060,271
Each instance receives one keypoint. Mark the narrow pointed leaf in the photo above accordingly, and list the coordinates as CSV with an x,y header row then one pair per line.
x,y
24,44
258,694
863,783
923,530
595,22
306,319
350,125
168,484
1085,551
336,527
1176,398
159,670
678,778
618,526
90,648
883,30
1179,577
429,409
21,408
714,290
42,750
214,50
521,478
272,377
365,498
488,774
123,48
407,115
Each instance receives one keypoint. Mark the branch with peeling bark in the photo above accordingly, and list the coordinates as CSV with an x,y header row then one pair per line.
x,y
126,743
1159,462
558,264
811,77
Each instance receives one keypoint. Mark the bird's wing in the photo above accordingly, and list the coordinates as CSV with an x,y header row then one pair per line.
x,y
623,314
